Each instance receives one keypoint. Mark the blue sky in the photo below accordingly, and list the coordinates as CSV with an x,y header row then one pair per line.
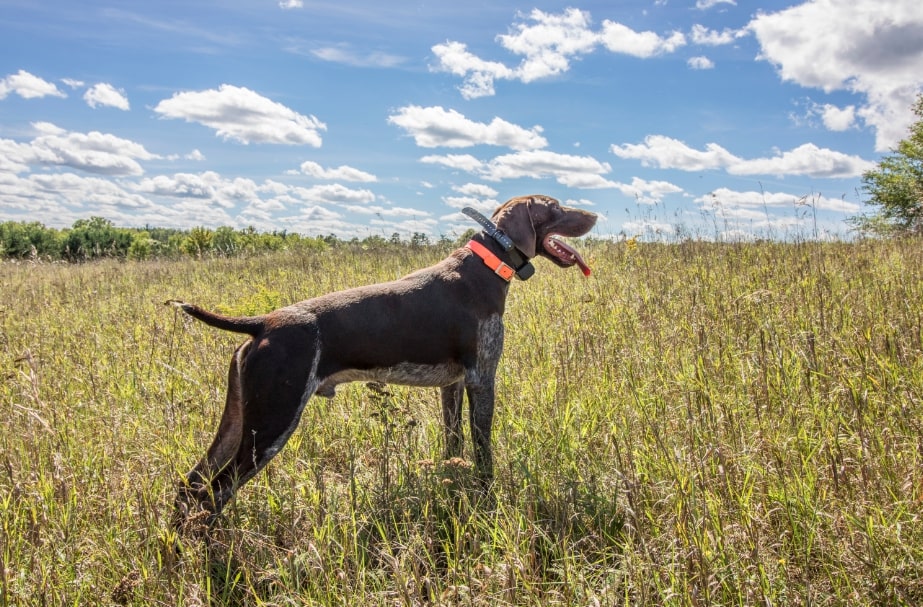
x,y
711,118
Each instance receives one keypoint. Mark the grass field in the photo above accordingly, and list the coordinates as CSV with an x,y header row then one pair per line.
x,y
695,424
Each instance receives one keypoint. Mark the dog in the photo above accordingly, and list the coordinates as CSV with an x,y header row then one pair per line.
x,y
441,326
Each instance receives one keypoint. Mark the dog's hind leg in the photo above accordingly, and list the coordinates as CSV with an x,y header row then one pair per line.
x,y
267,392
198,492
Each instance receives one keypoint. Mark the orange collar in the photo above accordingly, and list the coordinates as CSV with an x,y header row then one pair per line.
x,y
493,262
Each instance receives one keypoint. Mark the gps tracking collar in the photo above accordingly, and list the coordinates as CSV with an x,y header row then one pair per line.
x,y
524,269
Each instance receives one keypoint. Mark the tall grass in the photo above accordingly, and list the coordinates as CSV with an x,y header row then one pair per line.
x,y
696,424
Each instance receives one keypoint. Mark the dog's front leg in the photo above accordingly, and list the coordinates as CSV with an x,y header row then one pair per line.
x,y
481,413
452,397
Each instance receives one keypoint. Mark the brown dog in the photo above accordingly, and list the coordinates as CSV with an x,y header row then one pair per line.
x,y
441,326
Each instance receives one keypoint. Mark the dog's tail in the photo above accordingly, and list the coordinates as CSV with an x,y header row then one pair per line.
x,y
251,325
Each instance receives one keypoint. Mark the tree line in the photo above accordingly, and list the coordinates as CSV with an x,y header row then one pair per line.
x,y
99,238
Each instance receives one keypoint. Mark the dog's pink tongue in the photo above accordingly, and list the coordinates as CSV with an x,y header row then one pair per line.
x,y
583,267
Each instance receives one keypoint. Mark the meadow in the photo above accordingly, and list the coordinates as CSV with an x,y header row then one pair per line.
x,y
695,424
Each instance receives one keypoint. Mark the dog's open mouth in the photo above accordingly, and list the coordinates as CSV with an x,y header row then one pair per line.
x,y
564,253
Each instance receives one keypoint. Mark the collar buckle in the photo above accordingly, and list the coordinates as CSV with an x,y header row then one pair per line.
x,y
504,271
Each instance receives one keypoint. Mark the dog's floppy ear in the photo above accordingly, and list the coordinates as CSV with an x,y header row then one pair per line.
x,y
515,219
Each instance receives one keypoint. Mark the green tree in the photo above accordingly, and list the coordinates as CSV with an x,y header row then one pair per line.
x,y
27,239
895,186
96,237
198,241
226,241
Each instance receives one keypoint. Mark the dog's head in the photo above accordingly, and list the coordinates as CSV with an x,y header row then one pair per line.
x,y
536,223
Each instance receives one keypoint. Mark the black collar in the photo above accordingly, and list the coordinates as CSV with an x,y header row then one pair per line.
x,y
524,269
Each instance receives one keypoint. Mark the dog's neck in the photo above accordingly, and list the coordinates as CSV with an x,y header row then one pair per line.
x,y
512,257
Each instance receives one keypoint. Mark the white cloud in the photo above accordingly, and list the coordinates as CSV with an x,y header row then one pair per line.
x,y
208,186
707,4
345,173
195,155
333,193
728,200
289,4
462,162
870,47
476,189
106,95
28,86
700,63
838,119
385,211
347,56
584,172
92,152
242,115
668,153
648,227
569,170
583,202
59,199
648,192
406,227
74,84
547,44
479,74
483,205
620,38
437,127
807,159
704,36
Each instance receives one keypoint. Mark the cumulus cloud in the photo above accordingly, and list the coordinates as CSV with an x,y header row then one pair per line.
x,y
207,186
870,47
584,172
343,172
547,43
569,170
28,86
476,189
93,152
837,118
437,127
648,192
807,159
707,37
59,199
727,200
476,195
668,153
243,115
620,38
104,94
333,193
700,63
462,162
